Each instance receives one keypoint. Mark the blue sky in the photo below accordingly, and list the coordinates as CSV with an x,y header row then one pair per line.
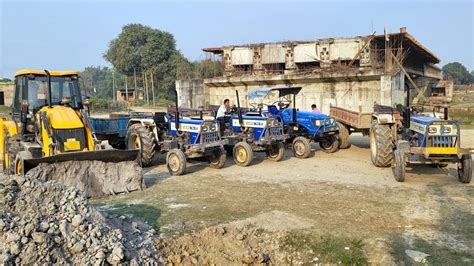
x,y
75,34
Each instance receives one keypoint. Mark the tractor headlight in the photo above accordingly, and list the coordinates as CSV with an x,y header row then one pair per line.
x,y
204,128
446,130
432,130
212,127
317,123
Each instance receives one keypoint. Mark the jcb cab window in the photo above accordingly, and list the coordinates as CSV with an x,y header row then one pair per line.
x,y
63,89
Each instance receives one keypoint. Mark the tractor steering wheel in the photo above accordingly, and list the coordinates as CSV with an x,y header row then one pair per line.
x,y
282,104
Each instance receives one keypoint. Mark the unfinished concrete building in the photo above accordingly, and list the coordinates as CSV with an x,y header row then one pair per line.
x,y
353,73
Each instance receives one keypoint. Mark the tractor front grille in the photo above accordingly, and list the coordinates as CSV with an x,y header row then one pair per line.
x,y
275,131
209,137
62,135
441,141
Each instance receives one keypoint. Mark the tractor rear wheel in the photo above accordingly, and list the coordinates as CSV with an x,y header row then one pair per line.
x,y
398,167
243,154
465,169
140,137
276,151
381,145
344,142
217,158
176,162
301,147
330,144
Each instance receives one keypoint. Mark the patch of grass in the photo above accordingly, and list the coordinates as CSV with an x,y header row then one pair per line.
x,y
143,212
328,249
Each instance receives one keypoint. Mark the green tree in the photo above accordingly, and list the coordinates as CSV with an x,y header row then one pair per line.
x,y
98,81
457,72
142,49
5,80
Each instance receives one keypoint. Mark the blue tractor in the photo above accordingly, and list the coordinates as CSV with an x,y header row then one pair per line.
x,y
252,130
418,137
425,138
301,127
181,135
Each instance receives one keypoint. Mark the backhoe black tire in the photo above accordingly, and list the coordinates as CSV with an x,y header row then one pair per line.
x,y
19,162
398,166
176,162
217,159
140,137
344,142
243,154
276,151
12,148
301,147
465,169
381,145
330,144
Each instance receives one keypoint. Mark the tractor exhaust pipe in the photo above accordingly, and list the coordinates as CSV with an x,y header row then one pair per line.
x,y
49,89
239,112
294,108
177,112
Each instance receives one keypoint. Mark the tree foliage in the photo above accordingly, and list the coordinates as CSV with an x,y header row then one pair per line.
x,y
142,49
458,73
98,81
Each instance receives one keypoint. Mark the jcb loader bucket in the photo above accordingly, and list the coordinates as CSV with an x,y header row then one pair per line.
x,y
96,173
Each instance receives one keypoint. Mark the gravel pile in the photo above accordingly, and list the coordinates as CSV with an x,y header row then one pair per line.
x,y
47,222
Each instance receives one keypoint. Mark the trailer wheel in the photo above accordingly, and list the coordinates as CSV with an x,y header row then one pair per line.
x,y
243,154
139,137
330,144
465,169
398,167
344,142
381,145
276,151
301,147
217,158
176,162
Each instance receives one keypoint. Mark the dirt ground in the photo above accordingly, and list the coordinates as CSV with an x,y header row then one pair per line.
x,y
323,205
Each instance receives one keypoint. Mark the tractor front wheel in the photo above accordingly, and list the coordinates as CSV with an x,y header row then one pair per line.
x,y
381,145
465,169
398,166
276,151
140,137
243,154
330,144
12,147
301,147
176,162
20,162
217,158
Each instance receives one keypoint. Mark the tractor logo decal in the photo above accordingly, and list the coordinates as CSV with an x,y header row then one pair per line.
x,y
250,123
186,127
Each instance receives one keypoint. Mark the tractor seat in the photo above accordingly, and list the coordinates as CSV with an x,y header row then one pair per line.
x,y
273,109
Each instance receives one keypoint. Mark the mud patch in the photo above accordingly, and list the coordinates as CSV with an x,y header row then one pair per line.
x,y
275,221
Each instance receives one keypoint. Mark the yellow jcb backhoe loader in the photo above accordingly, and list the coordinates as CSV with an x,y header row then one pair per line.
x,y
48,135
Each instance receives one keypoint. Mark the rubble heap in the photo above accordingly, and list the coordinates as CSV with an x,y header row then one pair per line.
x,y
47,222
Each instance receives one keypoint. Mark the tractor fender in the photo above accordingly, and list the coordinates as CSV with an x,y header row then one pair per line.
x,y
145,122
11,128
384,118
